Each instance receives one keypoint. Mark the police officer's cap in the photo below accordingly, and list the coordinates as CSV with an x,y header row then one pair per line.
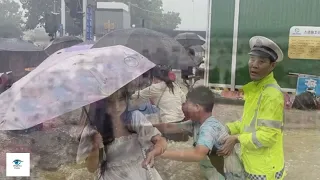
x,y
266,48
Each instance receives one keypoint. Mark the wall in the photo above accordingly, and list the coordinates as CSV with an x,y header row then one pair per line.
x,y
115,18
273,19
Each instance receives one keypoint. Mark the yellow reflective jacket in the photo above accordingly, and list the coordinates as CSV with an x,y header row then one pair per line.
x,y
261,130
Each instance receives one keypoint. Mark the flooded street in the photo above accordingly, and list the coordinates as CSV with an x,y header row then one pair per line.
x,y
302,152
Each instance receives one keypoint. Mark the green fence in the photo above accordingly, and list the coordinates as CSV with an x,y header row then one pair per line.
x,y
270,18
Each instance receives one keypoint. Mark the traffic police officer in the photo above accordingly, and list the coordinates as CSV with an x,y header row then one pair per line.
x,y
260,132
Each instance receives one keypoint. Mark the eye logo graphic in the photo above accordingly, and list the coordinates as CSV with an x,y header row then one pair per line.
x,y
17,163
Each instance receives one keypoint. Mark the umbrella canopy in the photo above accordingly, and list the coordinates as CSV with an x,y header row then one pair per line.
x,y
198,48
189,39
61,43
158,47
57,87
59,55
30,54
17,45
81,46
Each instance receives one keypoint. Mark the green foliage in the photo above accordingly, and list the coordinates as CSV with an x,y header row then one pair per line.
x,y
10,18
9,30
37,9
154,17
51,24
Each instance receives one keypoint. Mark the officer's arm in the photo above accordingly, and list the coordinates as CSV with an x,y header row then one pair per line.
x,y
269,123
233,127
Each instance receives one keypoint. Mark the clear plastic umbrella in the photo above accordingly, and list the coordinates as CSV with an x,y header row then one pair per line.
x,y
70,82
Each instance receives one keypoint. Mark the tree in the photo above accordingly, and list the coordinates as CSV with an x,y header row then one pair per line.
x,y
10,18
9,30
150,11
36,11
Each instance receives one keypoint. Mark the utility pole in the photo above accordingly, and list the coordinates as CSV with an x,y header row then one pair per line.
x,y
54,6
55,13
63,17
84,10
129,8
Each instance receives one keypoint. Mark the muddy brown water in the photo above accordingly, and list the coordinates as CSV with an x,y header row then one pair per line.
x,y
301,143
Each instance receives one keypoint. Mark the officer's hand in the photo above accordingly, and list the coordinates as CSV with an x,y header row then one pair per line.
x,y
228,146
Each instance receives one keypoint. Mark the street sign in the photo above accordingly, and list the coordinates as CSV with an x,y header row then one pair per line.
x,y
89,28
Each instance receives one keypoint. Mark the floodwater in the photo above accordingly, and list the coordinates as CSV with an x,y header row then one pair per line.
x,y
302,151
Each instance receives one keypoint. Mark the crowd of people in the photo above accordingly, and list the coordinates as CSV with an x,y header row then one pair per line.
x,y
126,129
113,147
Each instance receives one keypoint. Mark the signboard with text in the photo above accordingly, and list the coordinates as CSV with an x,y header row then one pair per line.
x,y
304,42
89,27
293,25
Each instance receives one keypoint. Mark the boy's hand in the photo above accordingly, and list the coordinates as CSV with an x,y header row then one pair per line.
x,y
149,161
228,146
97,141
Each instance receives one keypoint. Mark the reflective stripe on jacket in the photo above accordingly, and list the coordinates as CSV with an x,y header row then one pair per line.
x,y
260,130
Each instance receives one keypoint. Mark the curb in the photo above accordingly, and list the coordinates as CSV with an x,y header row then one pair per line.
x,y
229,101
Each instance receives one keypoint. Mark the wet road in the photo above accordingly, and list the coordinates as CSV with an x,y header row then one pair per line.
x,y
302,153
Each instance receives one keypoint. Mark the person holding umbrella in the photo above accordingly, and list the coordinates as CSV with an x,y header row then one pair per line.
x,y
85,77
112,141
164,94
166,98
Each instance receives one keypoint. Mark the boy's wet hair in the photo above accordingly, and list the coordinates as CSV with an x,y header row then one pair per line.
x,y
203,96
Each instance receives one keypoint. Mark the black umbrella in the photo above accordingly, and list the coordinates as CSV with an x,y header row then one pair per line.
x,y
189,39
30,54
61,43
198,48
157,47
86,43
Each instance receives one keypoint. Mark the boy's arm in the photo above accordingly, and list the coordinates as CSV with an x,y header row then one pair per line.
x,y
207,138
191,155
175,127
